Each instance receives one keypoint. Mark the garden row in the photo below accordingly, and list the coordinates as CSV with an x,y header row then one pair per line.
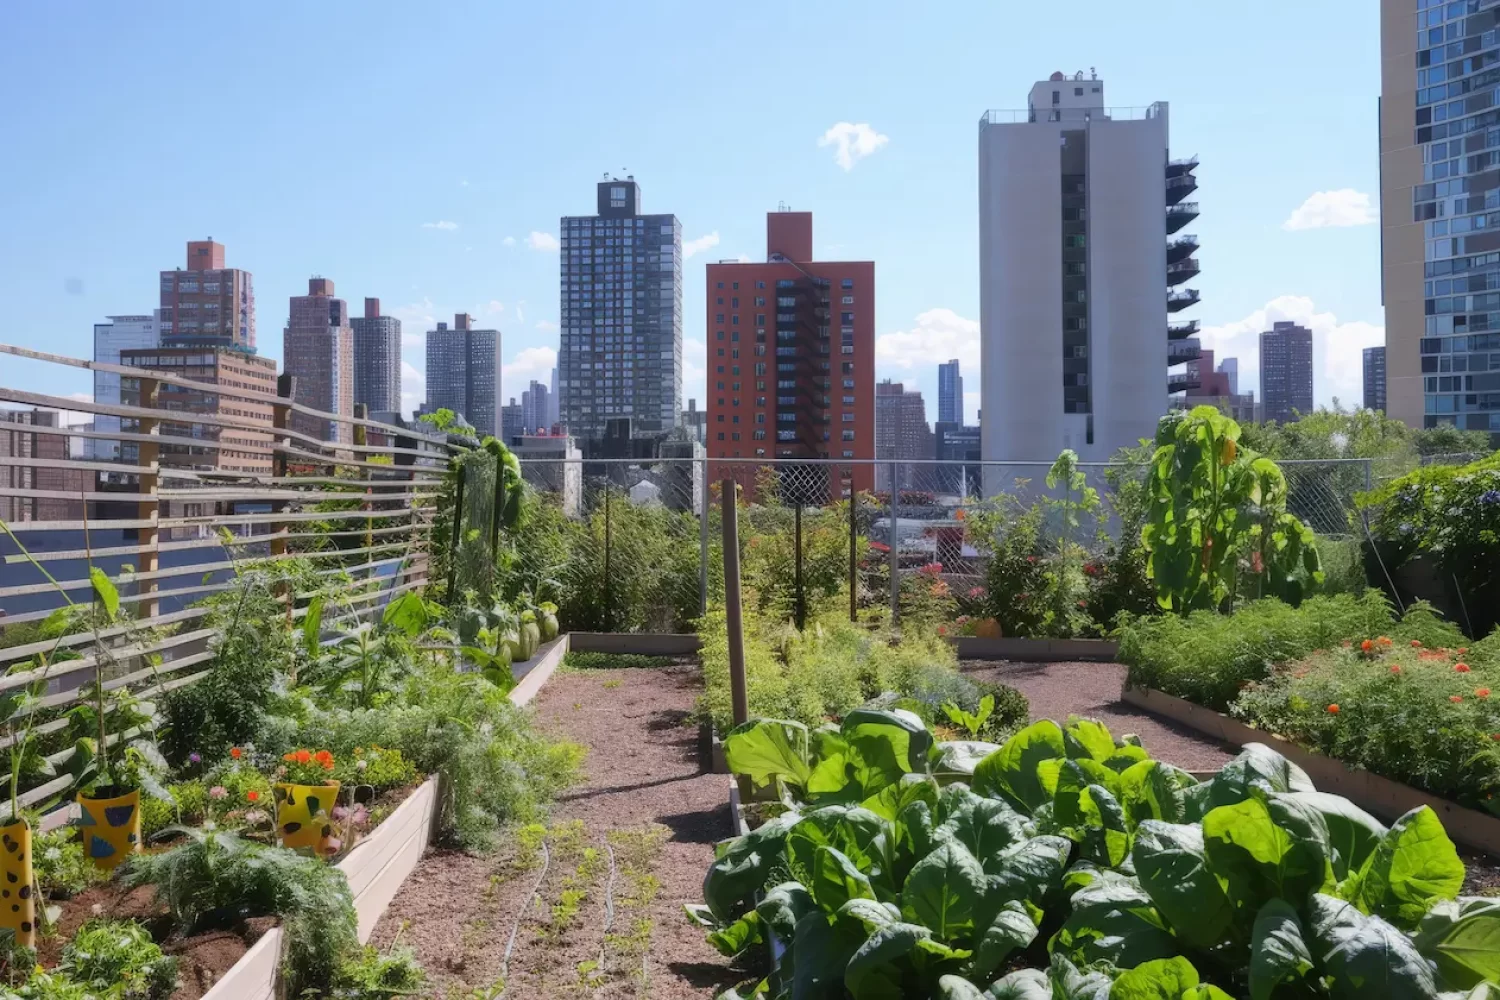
x,y
210,811
884,863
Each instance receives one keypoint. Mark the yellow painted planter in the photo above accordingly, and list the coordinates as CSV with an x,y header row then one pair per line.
x,y
17,903
304,815
111,828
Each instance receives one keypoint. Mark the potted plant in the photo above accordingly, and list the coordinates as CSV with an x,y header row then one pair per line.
x,y
305,799
17,879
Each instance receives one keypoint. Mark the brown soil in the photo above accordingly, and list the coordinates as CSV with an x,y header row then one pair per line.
x,y
201,959
644,798
1057,690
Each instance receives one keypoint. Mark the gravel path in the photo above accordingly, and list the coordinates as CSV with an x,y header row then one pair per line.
x,y
628,847
1057,690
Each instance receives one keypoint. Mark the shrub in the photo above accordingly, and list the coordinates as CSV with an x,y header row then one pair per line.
x,y
62,868
1206,657
1403,712
119,956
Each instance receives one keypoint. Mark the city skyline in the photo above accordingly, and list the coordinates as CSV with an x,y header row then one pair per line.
x,y
1286,236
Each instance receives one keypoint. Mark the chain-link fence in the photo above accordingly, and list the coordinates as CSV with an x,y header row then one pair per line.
x,y
634,546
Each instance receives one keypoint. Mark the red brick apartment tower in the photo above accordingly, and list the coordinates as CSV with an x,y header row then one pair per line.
x,y
207,304
791,362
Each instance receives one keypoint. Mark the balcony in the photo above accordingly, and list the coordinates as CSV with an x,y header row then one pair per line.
x,y
1180,215
1182,270
1180,186
1181,383
1181,248
1185,166
1182,351
1178,301
1178,331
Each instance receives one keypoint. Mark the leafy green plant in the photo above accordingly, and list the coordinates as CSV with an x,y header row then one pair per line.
x,y
970,722
119,958
62,868
1218,525
373,974
215,879
1065,848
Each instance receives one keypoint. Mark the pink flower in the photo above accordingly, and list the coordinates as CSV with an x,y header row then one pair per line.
x,y
218,792
976,592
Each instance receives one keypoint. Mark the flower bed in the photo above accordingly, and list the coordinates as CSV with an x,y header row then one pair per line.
x,y
1343,677
1070,864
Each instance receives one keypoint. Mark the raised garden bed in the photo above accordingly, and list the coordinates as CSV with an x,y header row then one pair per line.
x,y
1381,796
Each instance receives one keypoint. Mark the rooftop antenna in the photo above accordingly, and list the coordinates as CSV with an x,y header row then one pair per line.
x,y
1093,73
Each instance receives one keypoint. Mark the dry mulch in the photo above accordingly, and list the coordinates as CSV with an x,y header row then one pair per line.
x,y
1092,690
642,775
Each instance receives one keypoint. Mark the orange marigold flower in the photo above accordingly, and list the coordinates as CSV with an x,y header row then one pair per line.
x,y
328,765
1395,669
236,752
303,756
1367,645
1384,640
1333,709
1461,668
1455,698
253,795
322,755
289,756
1481,692
1416,644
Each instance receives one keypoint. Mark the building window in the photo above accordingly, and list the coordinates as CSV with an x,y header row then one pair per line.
x,y
847,283
721,435
848,435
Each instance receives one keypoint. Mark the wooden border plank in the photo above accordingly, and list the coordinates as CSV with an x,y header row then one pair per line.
x,y
639,643
529,685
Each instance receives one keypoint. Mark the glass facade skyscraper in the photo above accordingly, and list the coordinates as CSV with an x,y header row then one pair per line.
x,y
1440,179
621,309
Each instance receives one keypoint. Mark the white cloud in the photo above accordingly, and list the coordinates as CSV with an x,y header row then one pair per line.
x,y
542,241
743,258
939,334
413,387
521,311
971,407
547,326
1337,347
442,224
416,319
509,241
529,363
702,243
493,307
853,142
1332,209
695,371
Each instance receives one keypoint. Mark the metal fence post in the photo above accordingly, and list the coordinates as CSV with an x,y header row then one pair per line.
x,y
734,620
608,617
801,605
853,554
703,503
895,543
457,530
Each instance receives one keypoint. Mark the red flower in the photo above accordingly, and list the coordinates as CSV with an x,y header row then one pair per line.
x,y
1395,669
1495,737
253,795
1367,645
1031,559
1455,698
1416,644
303,756
1481,692
1461,668
1384,640
1083,604
236,752
1462,650
1333,709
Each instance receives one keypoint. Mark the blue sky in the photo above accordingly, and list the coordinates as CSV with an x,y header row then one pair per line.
x,y
422,153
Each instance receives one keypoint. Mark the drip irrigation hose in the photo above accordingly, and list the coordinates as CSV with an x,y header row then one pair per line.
x,y
515,928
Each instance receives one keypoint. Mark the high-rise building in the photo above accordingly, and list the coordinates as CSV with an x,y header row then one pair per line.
x,y
958,471
901,432
776,386
1286,371
1374,371
318,351
512,421
621,306
17,441
534,408
463,373
207,304
1439,243
121,333
1078,277
1230,369
695,421
377,359
950,393
552,401
242,449
1219,387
